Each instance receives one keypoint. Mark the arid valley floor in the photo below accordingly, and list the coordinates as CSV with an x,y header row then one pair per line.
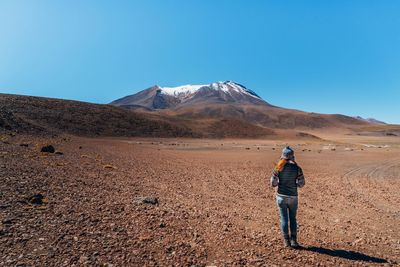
x,y
215,206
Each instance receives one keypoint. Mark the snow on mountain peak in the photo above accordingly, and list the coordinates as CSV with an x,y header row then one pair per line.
x,y
182,90
225,86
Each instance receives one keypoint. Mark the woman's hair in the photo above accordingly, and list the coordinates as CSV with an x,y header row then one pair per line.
x,y
281,163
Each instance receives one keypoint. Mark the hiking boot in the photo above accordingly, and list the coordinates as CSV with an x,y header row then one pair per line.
x,y
286,242
293,242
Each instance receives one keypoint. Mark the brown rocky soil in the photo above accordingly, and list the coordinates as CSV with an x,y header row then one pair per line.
x,y
215,206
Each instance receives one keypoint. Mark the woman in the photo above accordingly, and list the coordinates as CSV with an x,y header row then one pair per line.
x,y
287,175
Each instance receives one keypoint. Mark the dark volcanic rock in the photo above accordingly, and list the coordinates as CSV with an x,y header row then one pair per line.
x,y
37,199
146,200
48,149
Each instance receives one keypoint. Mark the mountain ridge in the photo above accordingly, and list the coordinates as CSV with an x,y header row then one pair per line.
x,y
157,97
228,100
44,116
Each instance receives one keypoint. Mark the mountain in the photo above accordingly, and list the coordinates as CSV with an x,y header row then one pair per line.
x,y
370,120
157,97
227,100
47,116
218,110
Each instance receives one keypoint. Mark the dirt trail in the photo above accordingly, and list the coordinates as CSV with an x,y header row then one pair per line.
x,y
215,204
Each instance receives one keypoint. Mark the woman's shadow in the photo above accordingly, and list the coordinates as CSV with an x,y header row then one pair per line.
x,y
345,254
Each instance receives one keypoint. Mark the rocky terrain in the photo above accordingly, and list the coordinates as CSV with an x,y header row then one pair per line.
x,y
188,202
47,116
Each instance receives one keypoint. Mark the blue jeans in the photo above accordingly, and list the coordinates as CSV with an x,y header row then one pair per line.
x,y
288,208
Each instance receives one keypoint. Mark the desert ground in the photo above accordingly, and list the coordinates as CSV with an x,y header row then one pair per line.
x,y
215,205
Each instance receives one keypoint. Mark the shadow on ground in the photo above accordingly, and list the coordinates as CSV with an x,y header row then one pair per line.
x,y
345,254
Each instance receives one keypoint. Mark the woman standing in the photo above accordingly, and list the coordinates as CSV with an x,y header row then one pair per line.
x,y
287,176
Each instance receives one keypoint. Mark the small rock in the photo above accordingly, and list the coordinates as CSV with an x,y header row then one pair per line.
x,y
25,145
7,221
48,149
59,153
146,200
108,166
83,259
357,241
38,199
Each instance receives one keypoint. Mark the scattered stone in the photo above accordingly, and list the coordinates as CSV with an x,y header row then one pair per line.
x,y
108,166
59,153
4,206
7,221
357,241
83,259
38,199
48,149
24,145
146,200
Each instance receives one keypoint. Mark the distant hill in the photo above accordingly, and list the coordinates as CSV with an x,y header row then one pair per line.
x,y
37,115
43,116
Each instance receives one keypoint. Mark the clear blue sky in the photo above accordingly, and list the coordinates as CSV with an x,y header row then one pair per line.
x,y
320,56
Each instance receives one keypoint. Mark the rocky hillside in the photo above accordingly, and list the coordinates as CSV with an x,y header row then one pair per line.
x,y
38,115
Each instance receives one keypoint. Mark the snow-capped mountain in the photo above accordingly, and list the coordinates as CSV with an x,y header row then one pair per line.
x,y
230,101
158,97
370,120
187,91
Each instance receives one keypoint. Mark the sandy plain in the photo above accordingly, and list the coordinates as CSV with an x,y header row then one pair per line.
x,y
215,206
